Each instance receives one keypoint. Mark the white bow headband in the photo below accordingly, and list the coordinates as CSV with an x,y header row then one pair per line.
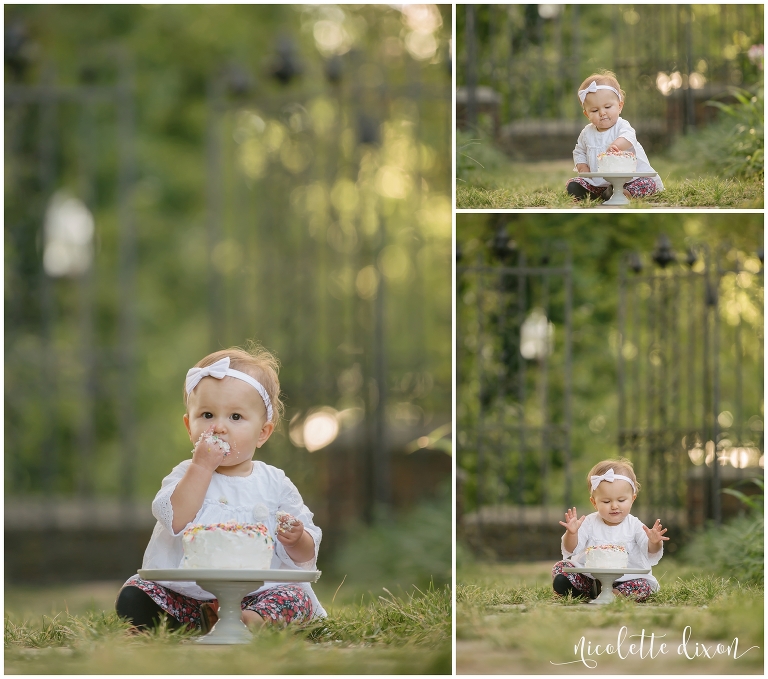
x,y
611,477
594,87
220,370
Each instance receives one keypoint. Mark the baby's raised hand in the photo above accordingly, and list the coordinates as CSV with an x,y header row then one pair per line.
x,y
289,529
572,523
655,534
209,452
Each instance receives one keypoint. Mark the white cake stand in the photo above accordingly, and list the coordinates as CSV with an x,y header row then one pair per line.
x,y
606,576
618,179
229,586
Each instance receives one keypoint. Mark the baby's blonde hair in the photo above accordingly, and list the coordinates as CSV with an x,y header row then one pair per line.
x,y
621,466
259,363
603,77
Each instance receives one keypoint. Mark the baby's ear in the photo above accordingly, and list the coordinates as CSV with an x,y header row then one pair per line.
x,y
266,432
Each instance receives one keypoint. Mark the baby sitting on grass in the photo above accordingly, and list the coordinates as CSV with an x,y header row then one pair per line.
x,y
613,489
602,100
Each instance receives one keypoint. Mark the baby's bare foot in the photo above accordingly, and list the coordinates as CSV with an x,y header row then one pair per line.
x,y
252,618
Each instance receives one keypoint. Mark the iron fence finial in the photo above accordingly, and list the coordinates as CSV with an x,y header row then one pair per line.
x,y
634,262
663,254
334,69
503,247
16,48
286,65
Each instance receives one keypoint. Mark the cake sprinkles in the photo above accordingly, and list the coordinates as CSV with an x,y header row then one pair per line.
x,y
607,556
227,545
250,529
617,161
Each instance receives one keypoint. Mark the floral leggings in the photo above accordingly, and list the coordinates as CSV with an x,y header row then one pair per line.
x,y
638,188
283,603
639,589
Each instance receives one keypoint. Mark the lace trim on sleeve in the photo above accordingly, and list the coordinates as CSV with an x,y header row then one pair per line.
x,y
303,565
291,502
163,510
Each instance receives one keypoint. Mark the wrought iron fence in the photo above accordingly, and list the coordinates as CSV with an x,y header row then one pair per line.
x,y
669,59
688,333
365,209
690,374
328,230
69,363
513,348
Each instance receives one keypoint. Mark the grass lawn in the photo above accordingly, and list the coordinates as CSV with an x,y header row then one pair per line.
x,y
508,621
73,630
514,185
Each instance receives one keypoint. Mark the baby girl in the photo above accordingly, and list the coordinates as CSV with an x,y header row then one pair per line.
x,y
232,405
602,100
613,488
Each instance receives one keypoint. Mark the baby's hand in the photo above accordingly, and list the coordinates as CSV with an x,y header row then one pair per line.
x,y
572,522
614,149
655,534
289,530
208,454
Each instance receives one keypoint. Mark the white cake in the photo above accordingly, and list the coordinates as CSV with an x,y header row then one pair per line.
x,y
607,556
623,161
227,545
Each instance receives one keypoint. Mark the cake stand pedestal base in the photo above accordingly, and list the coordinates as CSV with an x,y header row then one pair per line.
x,y
617,180
229,586
607,576
618,197
229,628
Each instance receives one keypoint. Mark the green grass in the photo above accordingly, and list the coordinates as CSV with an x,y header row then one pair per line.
x,y
508,620
387,635
514,185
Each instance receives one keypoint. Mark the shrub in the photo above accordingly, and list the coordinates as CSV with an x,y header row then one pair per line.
x,y
733,146
475,152
413,549
736,548
744,150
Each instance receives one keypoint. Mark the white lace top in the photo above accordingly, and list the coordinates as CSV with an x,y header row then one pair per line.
x,y
231,498
592,142
594,531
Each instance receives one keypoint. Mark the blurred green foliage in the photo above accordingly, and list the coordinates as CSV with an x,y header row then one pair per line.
x,y
406,552
536,56
734,550
315,222
737,548
596,243
475,152
734,145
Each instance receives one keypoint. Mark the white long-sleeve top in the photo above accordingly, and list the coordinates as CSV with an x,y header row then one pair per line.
x,y
629,533
593,142
231,498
